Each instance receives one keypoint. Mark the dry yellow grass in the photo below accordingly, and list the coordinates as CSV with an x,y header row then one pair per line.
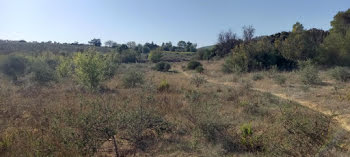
x,y
28,106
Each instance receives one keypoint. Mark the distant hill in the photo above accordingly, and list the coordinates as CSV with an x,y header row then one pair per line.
x,y
9,46
206,47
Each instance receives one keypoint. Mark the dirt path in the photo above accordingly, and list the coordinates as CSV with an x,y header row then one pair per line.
x,y
343,120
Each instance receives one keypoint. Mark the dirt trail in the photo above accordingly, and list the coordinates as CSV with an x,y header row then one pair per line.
x,y
343,120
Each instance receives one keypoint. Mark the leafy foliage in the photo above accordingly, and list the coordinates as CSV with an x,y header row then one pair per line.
x,y
43,73
65,68
192,65
205,54
226,42
162,66
133,79
128,56
90,68
14,66
340,74
155,56
309,74
95,42
256,55
335,49
163,86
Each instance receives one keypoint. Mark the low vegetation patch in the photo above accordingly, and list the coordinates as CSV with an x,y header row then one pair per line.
x,y
192,65
162,66
280,79
198,80
340,74
257,77
155,56
133,79
14,67
163,86
309,74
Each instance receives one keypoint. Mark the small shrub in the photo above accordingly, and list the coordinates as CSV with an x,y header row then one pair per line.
x,y
249,141
237,63
192,65
340,74
163,86
200,69
162,66
257,77
142,126
198,80
65,68
193,95
280,79
14,67
110,66
133,79
205,54
43,73
247,84
246,130
211,125
251,108
309,74
128,56
305,132
155,56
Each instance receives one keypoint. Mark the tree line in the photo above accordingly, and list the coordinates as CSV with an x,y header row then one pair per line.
x,y
284,50
8,46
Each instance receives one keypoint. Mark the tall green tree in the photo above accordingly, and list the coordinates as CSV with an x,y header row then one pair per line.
x,y
91,68
298,28
302,44
95,42
336,48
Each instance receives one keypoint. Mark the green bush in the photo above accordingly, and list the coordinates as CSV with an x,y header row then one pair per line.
x,y
162,66
155,56
237,63
256,55
340,74
309,74
142,126
205,54
14,67
198,80
111,66
192,65
88,128
43,73
163,86
65,68
248,140
128,56
335,47
89,69
200,69
133,79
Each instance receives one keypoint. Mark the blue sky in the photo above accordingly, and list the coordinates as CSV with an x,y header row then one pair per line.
x,y
143,21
